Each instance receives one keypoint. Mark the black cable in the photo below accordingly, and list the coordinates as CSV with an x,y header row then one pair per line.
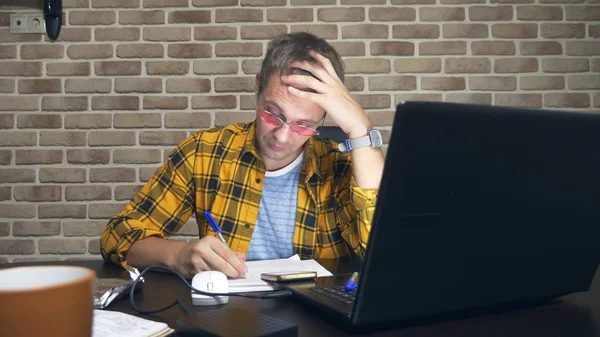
x,y
262,295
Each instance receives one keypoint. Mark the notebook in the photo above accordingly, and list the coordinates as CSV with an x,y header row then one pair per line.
x,y
108,323
480,209
252,281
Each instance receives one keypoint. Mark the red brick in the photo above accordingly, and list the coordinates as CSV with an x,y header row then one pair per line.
x,y
493,83
373,101
165,102
38,193
40,86
519,100
144,17
88,156
190,50
324,31
583,48
583,13
11,138
340,14
467,65
36,228
8,52
216,33
136,156
493,48
228,117
62,246
115,3
367,31
35,52
62,138
185,120
88,85
567,100
167,67
92,17
62,175
117,34
75,34
565,65
344,48
392,83
7,86
442,14
213,3
539,13
170,137
190,16
214,102
188,85
542,83
265,3
83,228
515,30
20,175
96,51
172,3
7,121
491,13
140,85
227,15
289,14
140,50
64,103
485,99
443,83
266,32
516,65
460,30
5,157
17,247
118,68
33,157
392,48
68,69
87,192
393,14
304,2
418,31
137,120
584,82
367,66
563,30
115,103
6,36
11,68
12,103
167,33
540,48
353,83
113,174
39,121
226,49
88,121
443,48
209,67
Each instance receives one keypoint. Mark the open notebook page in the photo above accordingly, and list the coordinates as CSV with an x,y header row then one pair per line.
x,y
252,282
116,324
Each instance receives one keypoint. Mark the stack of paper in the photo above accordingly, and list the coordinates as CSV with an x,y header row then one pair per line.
x,y
252,281
117,324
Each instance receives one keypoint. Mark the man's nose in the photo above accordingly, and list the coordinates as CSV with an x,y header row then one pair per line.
x,y
282,133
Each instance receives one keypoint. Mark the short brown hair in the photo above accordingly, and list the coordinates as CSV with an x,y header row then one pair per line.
x,y
286,49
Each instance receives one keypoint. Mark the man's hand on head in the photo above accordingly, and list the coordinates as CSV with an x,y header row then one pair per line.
x,y
326,89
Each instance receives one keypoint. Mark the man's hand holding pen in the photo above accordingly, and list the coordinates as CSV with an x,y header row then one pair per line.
x,y
210,253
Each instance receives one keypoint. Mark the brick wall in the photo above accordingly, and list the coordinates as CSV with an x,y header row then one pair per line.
x,y
86,120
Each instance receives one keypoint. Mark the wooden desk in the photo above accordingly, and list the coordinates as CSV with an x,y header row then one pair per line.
x,y
576,315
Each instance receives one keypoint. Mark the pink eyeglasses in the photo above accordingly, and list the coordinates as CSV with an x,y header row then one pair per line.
x,y
300,129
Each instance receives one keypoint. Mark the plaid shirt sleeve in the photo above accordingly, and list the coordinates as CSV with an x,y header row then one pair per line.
x,y
160,209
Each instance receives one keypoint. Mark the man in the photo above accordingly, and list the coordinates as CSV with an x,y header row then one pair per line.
x,y
274,189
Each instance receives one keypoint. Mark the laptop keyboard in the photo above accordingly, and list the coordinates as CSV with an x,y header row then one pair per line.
x,y
337,293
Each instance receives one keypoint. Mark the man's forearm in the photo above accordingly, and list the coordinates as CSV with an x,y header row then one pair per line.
x,y
154,251
367,167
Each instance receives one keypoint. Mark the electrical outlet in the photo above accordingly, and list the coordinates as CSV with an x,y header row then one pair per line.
x,y
27,23
19,23
36,23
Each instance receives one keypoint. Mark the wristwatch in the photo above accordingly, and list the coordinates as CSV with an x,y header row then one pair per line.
x,y
372,138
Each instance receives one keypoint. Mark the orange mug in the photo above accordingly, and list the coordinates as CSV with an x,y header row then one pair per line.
x,y
46,301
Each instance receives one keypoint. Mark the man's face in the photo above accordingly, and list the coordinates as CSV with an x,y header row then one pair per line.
x,y
278,146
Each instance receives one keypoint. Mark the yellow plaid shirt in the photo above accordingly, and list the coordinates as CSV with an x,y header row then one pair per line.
x,y
219,170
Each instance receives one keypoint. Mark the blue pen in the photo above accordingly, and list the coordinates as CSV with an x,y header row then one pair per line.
x,y
214,225
351,284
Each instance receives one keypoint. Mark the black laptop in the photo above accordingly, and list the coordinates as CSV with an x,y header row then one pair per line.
x,y
480,209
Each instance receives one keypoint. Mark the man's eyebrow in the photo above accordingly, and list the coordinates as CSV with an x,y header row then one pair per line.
x,y
270,102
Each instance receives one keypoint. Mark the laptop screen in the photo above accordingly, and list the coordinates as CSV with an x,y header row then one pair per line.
x,y
481,207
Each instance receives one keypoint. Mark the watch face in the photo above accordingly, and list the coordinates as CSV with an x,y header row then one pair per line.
x,y
376,140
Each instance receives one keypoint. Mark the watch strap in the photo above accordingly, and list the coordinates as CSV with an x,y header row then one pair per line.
x,y
354,143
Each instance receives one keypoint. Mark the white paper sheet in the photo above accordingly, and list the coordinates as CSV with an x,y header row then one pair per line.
x,y
112,323
252,282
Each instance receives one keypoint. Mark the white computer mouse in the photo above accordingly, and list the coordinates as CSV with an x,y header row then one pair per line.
x,y
210,281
